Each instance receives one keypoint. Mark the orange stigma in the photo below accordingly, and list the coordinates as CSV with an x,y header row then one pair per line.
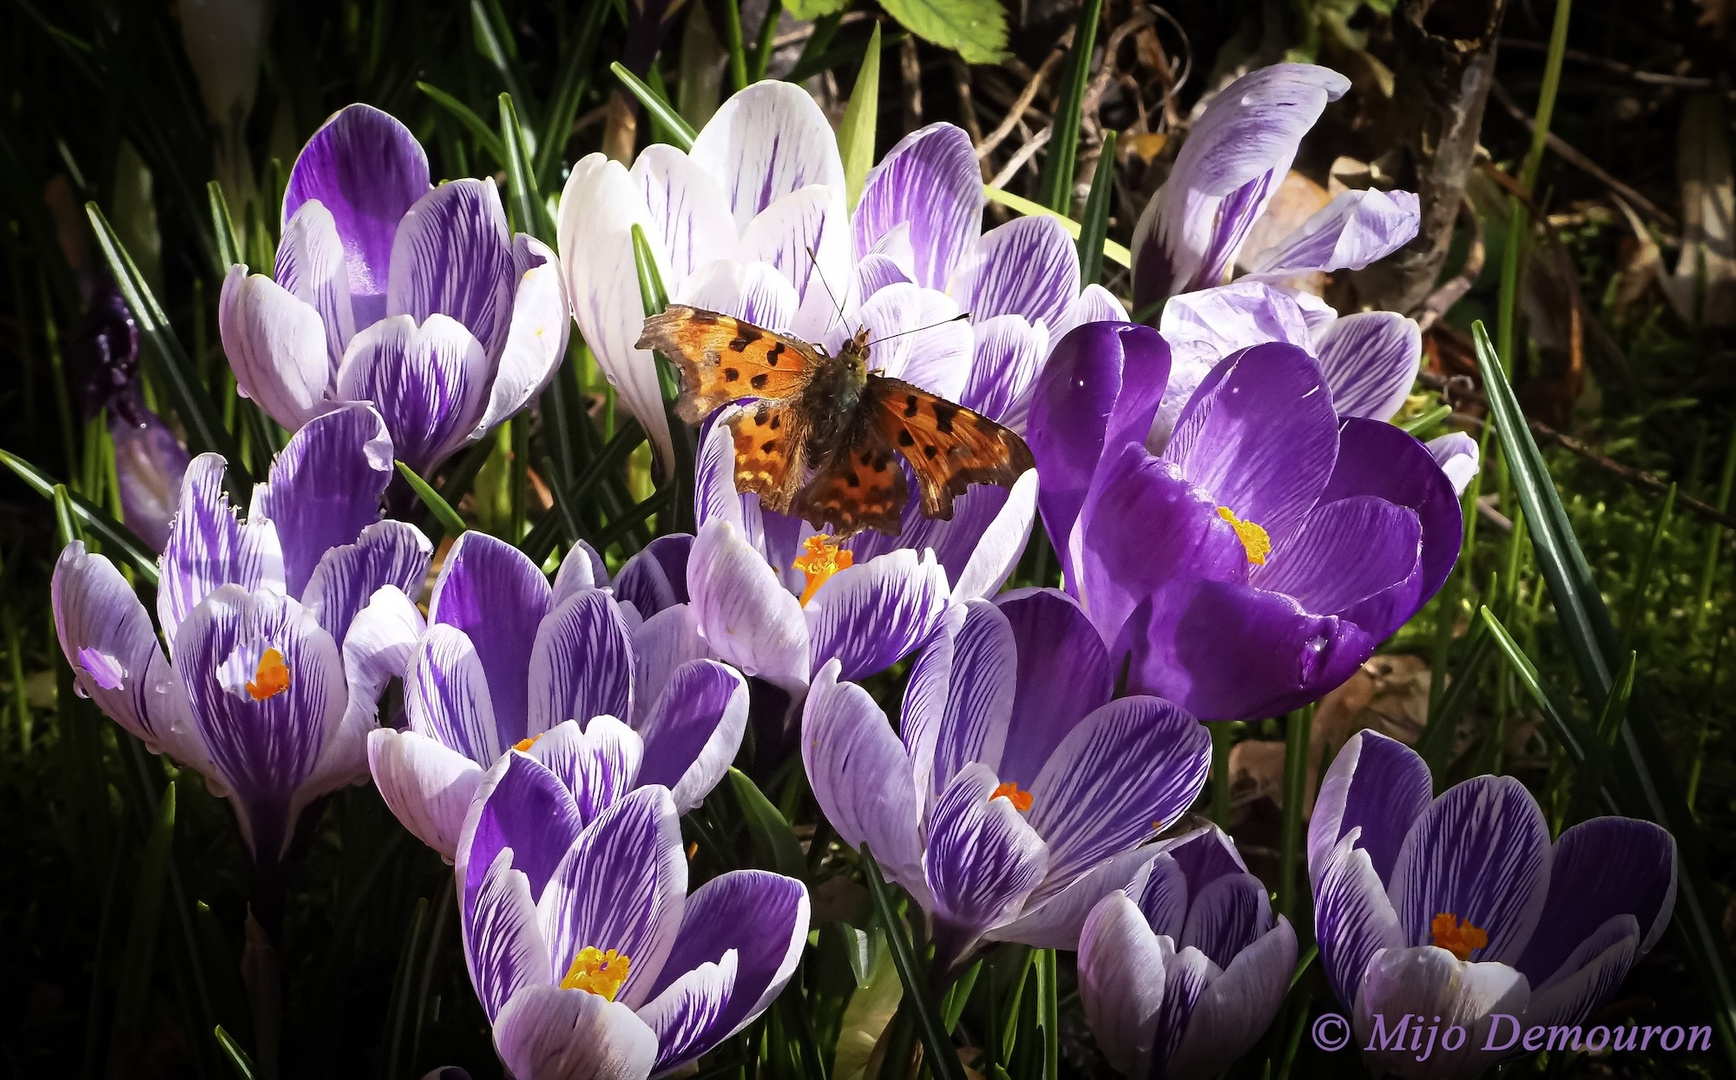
x,y
1009,791
272,677
597,972
1254,540
523,745
1457,936
824,558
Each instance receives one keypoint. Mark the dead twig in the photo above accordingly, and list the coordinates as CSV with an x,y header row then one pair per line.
x,y
1450,292
1025,153
1616,67
1026,96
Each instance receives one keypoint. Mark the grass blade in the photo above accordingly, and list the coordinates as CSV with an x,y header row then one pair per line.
x,y
1094,229
1296,743
232,1053
474,124
942,1061
1643,577
856,133
443,512
1548,699
779,849
660,110
1055,183
117,539
569,91
1115,253
1588,785
145,924
527,204
223,227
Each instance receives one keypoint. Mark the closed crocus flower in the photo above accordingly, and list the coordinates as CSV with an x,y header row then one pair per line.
x,y
1183,970
591,960
507,661
1015,791
415,298
778,599
282,630
1448,911
1261,558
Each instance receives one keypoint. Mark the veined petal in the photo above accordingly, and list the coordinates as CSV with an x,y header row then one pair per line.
x,y
686,1012
1432,982
523,807
805,236
688,212
1121,981
653,579
452,256
1052,920
1376,784
753,292
582,568
1370,360
931,183
277,346
498,597
1029,267
150,464
876,271
1009,353
1227,916
1095,304
1187,973
325,488
869,617
1345,552
1353,918
548,1033
377,648
1237,1006
1456,454
1589,976
1348,233
1064,675
982,860
959,696
745,614
581,664
430,382
764,142
447,696
536,336
386,553
427,786
207,548
1207,326
1602,868
598,761
693,730
1002,544
503,945
661,644
311,266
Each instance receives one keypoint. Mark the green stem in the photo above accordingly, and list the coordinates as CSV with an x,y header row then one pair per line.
x,y
1296,742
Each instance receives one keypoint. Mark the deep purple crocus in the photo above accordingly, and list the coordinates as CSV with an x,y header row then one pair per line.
x,y
505,661
591,960
1261,558
1458,912
1183,970
1015,792
280,629
415,298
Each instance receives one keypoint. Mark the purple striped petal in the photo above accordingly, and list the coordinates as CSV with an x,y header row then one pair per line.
x,y
598,762
1163,896
1204,855
1226,917
753,292
1063,676
861,776
325,488
453,256
1029,267
1345,552
367,170
522,806
1121,979
688,214
107,638
1602,868
1457,455
581,664
1009,353
655,577
1353,918
931,183
765,142
661,644
377,649
1095,304
1261,439
1227,171
386,553
621,886
1186,973
1205,327
983,860
488,589
805,236
447,698
744,613
1376,784
427,786
1000,545
1480,853
914,334
1122,774
430,383
1052,918
758,918
263,749
872,616
582,568
1431,983
1589,976
536,336
1348,233
693,731
1237,1007
207,548
876,271
960,695
311,266
277,347
503,946
1370,360
1098,391
553,1034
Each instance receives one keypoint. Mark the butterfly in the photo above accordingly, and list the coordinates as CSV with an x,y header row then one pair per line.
x,y
810,411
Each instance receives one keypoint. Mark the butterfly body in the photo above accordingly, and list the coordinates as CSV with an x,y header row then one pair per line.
x,y
821,435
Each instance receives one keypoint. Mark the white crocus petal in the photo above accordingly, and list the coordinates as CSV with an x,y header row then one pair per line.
x,y
427,786
1002,544
806,236
536,338
692,220
766,141
277,346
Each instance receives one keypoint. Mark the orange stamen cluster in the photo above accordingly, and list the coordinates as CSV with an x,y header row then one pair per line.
x,y
823,559
1009,791
523,745
271,678
1457,936
597,972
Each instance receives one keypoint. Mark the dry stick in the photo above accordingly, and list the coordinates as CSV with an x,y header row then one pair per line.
x,y
1026,96
967,106
1018,160
1616,67
1440,301
1579,161
910,65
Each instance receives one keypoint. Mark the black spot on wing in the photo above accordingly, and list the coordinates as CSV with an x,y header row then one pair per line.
x,y
758,382
944,411
910,404
730,374
745,336
772,357
905,438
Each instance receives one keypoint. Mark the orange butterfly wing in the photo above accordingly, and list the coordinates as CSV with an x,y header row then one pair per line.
x,y
949,447
769,453
723,359
861,486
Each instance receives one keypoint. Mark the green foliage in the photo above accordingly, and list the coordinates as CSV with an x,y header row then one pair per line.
x,y
975,29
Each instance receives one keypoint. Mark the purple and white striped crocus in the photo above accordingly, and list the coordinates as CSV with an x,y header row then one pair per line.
x,y
778,599
415,298
590,959
1183,970
1192,234
1261,558
1016,792
508,662
282,631
1445,911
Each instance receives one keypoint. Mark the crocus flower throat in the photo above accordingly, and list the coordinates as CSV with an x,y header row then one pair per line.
x,y
823,559
597,972
1457,935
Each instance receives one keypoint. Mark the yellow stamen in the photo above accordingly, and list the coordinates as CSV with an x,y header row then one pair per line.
x,y
523,745
272,677
1009,791
597,972
824,558
1457,936
1254,539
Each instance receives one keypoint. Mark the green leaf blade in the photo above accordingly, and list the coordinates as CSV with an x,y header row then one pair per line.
x,y
975,29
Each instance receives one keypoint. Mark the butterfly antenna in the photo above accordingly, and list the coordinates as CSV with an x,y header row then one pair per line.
x,y
837,305
956,318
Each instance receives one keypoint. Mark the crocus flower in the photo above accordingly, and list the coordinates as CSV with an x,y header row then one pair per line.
x,y
1261,558
590,958
1447,911
1182,971
414,298
1015,792
280,629
506,661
